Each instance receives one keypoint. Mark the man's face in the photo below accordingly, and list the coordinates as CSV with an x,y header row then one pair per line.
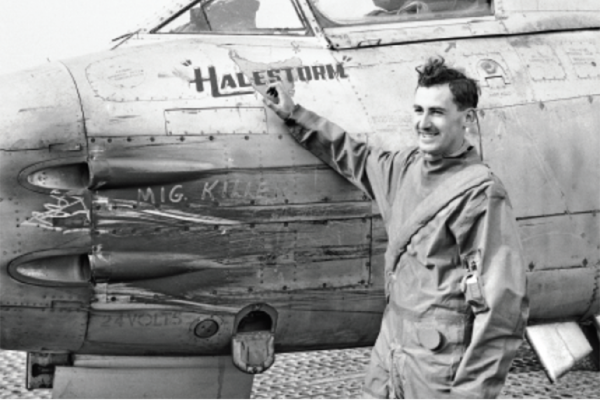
x,y
438,123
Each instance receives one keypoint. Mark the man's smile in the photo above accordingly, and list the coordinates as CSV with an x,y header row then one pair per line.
x,y
427,134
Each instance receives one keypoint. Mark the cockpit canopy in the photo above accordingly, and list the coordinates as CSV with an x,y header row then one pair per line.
x,y
284,17
358,12
345,24
237,16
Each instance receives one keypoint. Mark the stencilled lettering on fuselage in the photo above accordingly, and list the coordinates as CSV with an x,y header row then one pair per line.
x,y
142,320
211,190
236,84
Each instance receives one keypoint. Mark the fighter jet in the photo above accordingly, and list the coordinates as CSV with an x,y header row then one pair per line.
x,y
164,236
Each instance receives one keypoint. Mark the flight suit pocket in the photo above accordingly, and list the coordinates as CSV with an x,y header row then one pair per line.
x,y
434,351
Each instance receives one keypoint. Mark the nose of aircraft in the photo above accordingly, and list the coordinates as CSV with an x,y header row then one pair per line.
x,y
44,208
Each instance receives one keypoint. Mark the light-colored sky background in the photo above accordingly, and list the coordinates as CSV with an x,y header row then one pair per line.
x,y
33,31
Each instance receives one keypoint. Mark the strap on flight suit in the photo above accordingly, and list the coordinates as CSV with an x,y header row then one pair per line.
x,y
470,177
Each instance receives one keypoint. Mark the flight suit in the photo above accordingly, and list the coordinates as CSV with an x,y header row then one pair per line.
x,y
456,303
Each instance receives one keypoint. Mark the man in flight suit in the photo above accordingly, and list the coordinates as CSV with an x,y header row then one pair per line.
x,y
455,279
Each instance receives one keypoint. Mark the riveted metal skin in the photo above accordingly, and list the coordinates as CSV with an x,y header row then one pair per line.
x,y
42,125
158,163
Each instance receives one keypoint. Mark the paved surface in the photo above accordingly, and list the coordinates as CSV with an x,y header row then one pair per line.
x,y
336,374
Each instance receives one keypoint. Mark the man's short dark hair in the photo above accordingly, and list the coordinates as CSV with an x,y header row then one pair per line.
x,y
464,90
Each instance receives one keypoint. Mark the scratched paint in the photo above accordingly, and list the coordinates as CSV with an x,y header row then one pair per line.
x,y
63,207
211,190
173,195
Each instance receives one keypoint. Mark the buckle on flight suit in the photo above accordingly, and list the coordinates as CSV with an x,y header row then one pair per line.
x,y
471,286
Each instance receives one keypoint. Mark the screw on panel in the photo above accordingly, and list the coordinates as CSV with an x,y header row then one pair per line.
x,y
206,329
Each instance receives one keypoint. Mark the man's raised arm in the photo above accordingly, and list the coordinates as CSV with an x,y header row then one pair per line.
x,y
365,167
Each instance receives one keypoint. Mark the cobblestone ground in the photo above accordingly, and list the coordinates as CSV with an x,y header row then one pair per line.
x,y
337,374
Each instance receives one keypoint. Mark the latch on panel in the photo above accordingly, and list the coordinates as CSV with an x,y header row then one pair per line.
x,y
253,341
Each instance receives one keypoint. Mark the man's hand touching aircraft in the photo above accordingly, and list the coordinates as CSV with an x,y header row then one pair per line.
x,y
278,100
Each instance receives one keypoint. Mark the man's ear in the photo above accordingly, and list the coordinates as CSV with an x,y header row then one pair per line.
x,y
470,116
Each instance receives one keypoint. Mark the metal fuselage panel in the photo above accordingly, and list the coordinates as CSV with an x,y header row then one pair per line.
x,y
538,112
41,127
271,224
190,170
200,204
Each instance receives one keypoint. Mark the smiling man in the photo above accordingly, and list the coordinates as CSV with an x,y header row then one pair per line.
x,y
455,280
439,122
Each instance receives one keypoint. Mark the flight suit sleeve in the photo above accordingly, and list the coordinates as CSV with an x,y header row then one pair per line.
x,y
494,288
370,169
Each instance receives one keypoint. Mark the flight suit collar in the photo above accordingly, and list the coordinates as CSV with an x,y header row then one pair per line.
x,y
434,169
466,146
